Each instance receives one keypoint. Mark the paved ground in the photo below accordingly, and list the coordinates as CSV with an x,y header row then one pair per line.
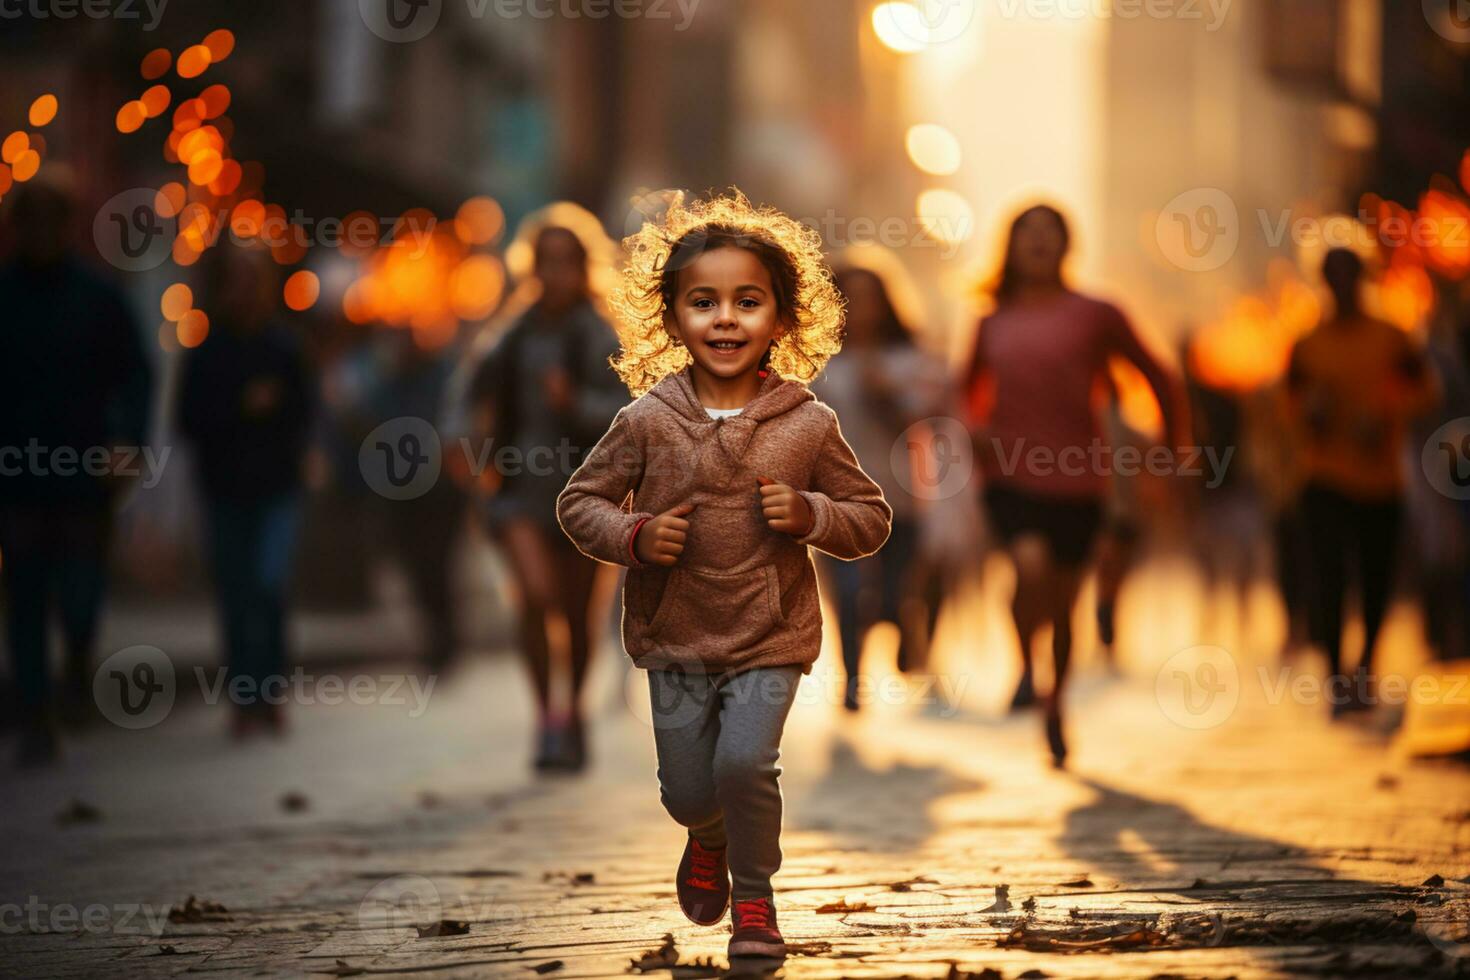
x,y
925,837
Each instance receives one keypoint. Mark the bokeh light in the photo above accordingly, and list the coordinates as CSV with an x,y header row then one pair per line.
x,y
933,149
177,300
156,101
15,144
302,290
131,116
900,26
156,63
945,215
42,111
193,328
479,221
193,61
26,165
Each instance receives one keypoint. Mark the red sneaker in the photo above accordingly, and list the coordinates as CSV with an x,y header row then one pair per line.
x,y
755,929
703,884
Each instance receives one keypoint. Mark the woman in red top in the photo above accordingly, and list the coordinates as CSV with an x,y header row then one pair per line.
x,y
1038,360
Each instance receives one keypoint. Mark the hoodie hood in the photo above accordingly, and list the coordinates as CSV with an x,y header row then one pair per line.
x,y
776,396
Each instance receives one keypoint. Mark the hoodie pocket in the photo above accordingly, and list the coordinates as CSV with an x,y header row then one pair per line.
x,y
713,614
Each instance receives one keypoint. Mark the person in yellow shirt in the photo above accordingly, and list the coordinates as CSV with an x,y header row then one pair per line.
x,y
1353,386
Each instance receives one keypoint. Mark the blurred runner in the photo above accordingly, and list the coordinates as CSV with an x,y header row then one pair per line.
x,y
73,380
1354,384
543,395
1039,360
246,398
882,383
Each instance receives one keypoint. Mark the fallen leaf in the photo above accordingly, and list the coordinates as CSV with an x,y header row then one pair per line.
x,y
1041,942
666,957
988,973
166,950
1433,881
1033,975
1029,905
295,802
1083,882
444,927
78,812
194,910
550,966
908,885
343,969
1002,900
843,905
1388,781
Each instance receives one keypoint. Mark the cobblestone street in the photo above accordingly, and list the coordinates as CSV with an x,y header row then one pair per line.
x,y
926,836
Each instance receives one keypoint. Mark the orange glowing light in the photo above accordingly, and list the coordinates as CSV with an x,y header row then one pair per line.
x,y
193,328
355,304
302,290
1405,293
15,144
131,116
193,60
156,62
205,166
247,218
186,251
290,248
219,44
1446,220
189,115
169,200
199,141
26,165
475,287
229,178
216,99
42,111
178,299
1137,403
155,101
479,221
5,178
359,234
436,334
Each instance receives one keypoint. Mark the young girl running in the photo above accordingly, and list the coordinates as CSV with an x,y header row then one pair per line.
x,y
710,487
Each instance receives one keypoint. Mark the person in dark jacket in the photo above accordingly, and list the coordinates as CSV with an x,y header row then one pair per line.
x,y
544,394
245,403
74,396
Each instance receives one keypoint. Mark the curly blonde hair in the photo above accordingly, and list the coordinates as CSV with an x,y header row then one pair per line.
x,y
807,302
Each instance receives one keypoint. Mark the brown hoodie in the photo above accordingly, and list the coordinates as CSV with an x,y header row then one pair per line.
x,y
741,595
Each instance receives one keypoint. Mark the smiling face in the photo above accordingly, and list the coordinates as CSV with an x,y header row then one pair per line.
x,y
726,314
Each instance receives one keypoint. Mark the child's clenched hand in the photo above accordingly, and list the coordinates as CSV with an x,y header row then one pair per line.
x,y
784,509
660,540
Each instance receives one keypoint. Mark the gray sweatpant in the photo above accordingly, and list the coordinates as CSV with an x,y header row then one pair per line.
x,y
718,738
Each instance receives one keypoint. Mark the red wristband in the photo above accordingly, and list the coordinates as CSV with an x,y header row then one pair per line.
x,y
632,551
